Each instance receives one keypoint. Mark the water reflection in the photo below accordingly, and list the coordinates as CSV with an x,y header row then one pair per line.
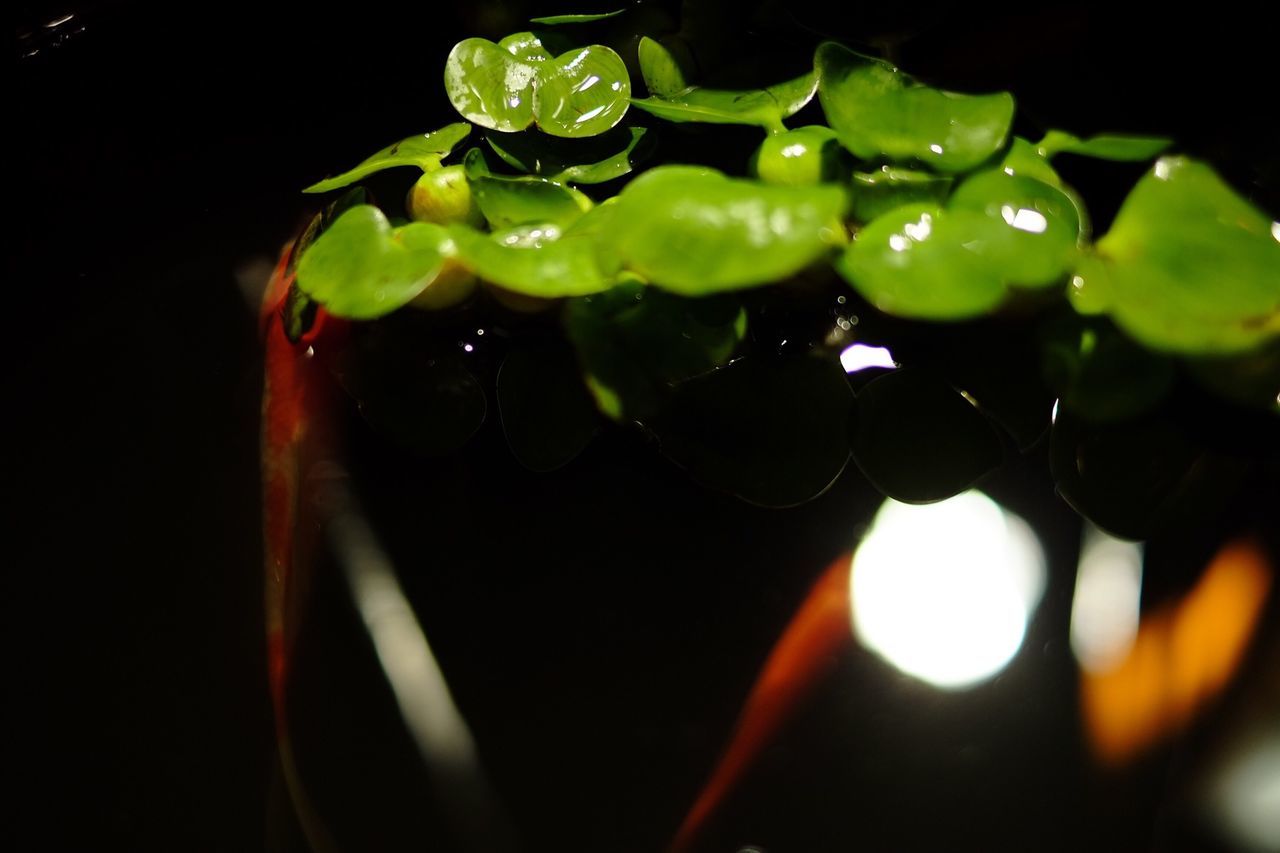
x,y
1104,609
944,591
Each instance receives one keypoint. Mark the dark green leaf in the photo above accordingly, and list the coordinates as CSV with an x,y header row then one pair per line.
x,y
876,193
1104,146
361,268
547,414
918,440
1100,374
1250,379
581,93
592,160
507,201
425,151
881,112
771,433
489,86
798,158
1188,265
694,231
634,342
557,20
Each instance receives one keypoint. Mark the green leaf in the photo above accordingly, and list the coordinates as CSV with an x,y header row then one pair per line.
x,y
557,20
1026,160
881,112
694,231
547,414
917,261
1104,146
1035,228
771,433
1098,373
918,440
425,151
526,47
581,93
662,75
1188,265
592,160
797,158
361,268
634,342
489,86
535,260
507,201
876,193
764,107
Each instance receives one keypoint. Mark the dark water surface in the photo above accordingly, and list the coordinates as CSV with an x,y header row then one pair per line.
x,y
599,625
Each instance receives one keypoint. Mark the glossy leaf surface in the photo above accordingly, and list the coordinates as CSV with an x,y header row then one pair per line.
x,y
1188,265
588,161
874,194
506,201
880,112
489,86
526,47
798,158
662,75
534,260
694,231
424,151
772,433
581,93
362,268
558,20
1104,146
917,440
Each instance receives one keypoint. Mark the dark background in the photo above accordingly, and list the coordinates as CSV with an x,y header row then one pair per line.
x,y
157,154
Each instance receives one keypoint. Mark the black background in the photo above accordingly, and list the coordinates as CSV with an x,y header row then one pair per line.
x,y
158,151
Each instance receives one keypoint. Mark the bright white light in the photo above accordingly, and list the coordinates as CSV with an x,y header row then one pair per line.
x,y
795,149
1246,793
935,148
1275,230
898,243
919,230
1024,219
1104,609
943,592
860,357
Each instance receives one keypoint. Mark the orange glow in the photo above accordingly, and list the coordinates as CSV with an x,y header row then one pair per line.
x,y
1183,656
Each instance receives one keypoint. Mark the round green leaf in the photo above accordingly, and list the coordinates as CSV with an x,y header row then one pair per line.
x,y
920,261
535,260
361,268
876,193
581,93
881,112
917,440
526,47
797,158
1035,228
1188,265
694,231
424,151
489,86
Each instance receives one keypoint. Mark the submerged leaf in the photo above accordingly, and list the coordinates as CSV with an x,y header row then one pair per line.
x,y
362,268
547,414
694,231
1188,265
880,112
425,151
1098,373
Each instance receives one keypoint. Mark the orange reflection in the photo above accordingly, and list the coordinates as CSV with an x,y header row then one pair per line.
x,y
1183,656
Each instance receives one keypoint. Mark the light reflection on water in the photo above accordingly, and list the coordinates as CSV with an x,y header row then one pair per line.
x,y
944,591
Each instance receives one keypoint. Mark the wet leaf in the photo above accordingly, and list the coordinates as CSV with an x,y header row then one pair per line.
x,y
917,262
425,151
362,268
881,112
771,433
1104,146
506,201
662,74
535,260
918,440
547,414
581,93
1035,228
526,47
876,193
592,160
1098,373
1024,159
558,20
798,158
1188,265
764,107
694,231
634,342
489,86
